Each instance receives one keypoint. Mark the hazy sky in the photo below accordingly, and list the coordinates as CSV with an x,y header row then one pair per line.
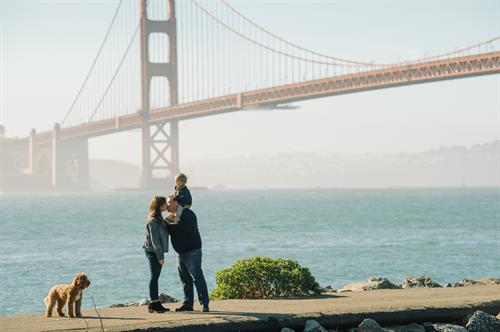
x,y
47,48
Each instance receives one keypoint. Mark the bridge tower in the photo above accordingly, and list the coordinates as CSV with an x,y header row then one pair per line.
x,y
160,141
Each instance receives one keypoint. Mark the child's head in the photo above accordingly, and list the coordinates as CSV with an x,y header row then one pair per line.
x,y
180,179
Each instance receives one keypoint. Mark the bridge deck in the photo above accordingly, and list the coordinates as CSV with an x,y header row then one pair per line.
x,y
343,309
454,68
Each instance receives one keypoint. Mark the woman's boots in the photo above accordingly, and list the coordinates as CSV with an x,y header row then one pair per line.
x,y
157,307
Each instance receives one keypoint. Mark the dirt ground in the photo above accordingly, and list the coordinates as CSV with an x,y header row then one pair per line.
x,y
248,313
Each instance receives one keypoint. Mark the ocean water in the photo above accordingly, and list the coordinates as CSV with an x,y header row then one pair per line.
x,y
341,235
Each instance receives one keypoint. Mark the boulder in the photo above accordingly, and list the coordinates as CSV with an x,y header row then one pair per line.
x,y
483,322
428,327
419,282
131,304
327,289
481,282
371,284
439,327
313,326
368,325
405,328
164,298
286,329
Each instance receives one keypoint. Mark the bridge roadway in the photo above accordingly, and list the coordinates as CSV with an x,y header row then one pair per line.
x,y
454,68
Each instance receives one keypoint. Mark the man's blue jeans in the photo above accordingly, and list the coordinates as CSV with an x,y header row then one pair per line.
x,y
189,266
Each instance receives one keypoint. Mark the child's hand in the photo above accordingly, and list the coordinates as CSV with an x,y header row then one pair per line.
x,y
170,217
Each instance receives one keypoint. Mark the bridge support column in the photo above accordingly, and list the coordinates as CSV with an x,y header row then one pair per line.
x,y
31,152
56,159
160,164
70,162
160,141
146,150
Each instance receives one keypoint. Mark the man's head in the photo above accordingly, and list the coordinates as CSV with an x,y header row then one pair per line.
x,y
171,204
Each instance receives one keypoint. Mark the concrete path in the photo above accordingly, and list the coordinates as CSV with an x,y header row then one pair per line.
x,y
332,310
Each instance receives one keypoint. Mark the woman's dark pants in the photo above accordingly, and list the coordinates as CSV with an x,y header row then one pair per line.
x,y
155,268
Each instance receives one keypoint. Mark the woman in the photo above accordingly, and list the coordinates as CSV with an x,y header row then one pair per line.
x,y
155,244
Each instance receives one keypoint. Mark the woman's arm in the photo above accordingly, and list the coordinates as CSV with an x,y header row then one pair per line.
x,y
155,229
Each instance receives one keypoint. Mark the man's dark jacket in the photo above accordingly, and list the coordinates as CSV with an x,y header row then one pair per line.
x,y
185,236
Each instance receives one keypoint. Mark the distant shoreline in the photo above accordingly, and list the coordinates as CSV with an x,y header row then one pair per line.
x,y
206,188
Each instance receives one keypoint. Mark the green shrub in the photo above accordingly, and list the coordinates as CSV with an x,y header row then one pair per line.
x,y
264,277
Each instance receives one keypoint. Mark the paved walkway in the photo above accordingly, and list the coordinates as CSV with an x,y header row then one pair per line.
x,y
333,309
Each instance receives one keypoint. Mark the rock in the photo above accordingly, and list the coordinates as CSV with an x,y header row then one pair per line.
x,y
448,285
498,316
313,326
406,328
144,302
482,282
131,304
286,329
164,298
439,327
483,322
328,289
428,327
368,325
419,282
371,284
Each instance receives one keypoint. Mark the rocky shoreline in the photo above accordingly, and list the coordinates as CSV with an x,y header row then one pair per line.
x,y
477,322
372,284
411,282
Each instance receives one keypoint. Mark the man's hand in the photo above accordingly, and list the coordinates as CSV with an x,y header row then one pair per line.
x,y
162,261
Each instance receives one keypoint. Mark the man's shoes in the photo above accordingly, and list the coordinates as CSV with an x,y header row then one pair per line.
x,y
205,309
157,307
184,308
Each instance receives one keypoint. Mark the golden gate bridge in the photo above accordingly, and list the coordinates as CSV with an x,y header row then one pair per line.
x,y
199,58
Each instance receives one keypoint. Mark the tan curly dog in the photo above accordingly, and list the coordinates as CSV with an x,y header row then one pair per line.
x,y
71,293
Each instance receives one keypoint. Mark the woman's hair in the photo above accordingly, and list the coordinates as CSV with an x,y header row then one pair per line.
x,y
155,207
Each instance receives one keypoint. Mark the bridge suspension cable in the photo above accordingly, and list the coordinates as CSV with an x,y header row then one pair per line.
x,y
113,78
94,62
335,61
220,52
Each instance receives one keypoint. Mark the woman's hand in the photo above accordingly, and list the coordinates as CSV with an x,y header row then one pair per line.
x,y
162,261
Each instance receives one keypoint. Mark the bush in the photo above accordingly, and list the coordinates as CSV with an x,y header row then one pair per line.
x,y
264,277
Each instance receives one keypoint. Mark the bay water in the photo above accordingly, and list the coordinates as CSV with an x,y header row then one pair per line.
x,y
341,235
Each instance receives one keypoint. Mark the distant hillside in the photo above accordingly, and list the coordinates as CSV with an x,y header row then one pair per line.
x,y
110,174
454,166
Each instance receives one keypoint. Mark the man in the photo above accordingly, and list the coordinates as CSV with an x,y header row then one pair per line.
x,y
186,241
